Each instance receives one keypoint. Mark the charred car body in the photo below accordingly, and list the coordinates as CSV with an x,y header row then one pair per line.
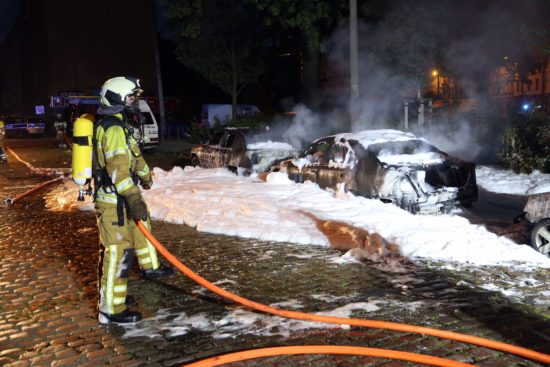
x,y
536,213
390,165
228,149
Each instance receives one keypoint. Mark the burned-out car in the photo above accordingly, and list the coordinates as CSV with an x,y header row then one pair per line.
x,y
228,149
391,165
536,213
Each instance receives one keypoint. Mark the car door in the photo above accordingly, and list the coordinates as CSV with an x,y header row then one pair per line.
x,y
210,152
226,147
311,161
334,170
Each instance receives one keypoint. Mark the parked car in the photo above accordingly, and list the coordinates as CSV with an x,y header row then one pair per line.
x,y
391,165
536,214
35,126
16,127
19,127
228,148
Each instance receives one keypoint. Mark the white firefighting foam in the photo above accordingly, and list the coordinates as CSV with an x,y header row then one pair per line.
x,y
217,201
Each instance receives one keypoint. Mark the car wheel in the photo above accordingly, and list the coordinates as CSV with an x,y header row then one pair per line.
x,y
540,237
195,161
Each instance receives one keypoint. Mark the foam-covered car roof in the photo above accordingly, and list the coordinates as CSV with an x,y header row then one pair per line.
x,y
369,137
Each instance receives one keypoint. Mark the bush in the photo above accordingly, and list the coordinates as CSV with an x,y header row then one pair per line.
x,y
526,145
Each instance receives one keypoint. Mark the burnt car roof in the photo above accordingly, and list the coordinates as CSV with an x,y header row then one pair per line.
x,y
370,137
391,146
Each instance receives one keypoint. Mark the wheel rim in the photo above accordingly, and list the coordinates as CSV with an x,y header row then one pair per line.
x,y
542,240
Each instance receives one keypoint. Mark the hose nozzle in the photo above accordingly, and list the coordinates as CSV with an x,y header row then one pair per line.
x,y
81,194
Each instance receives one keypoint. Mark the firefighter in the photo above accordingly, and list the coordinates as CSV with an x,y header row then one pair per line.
x,y
61,129
3,155
120,168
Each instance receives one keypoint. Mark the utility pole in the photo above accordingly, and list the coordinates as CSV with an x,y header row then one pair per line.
x,y
406,118
354,62
159,84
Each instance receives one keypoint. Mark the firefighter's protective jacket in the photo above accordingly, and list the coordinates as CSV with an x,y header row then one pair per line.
x,y
118,152
60,125
2,133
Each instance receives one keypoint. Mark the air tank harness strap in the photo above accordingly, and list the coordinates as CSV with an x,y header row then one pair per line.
x,y
101,176
80,140
102,179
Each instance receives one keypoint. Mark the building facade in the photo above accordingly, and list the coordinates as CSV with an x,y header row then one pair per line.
x,y
515,89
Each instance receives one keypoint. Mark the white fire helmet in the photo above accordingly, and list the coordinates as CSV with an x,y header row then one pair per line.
x,y
118,90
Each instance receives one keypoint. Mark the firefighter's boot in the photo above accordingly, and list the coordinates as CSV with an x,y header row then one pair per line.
x,y
161,271
124,317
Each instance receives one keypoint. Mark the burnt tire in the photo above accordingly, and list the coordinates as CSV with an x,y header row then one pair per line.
x,y
195,161
540,237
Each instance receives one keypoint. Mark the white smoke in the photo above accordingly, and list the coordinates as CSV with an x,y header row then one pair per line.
x,y
472,53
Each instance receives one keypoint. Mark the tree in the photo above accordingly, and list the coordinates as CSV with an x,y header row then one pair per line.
x,y
224,41
310,20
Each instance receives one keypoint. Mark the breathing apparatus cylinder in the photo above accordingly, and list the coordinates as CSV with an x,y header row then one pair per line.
x,y
83,131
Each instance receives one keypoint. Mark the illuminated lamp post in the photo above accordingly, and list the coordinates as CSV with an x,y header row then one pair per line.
x,y
435,74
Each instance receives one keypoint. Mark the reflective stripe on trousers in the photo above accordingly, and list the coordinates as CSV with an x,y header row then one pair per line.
x,y
119,245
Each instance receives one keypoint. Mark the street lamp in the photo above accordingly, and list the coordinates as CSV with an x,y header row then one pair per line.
x,y
435,74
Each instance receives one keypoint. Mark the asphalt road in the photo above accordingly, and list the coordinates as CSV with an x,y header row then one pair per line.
x,y
497,212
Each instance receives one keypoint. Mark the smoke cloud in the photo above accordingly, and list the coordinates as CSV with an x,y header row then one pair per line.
x,y
480,34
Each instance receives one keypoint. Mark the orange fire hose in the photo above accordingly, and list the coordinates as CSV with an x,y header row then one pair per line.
x,y
19,159
504,347
326,349
10,201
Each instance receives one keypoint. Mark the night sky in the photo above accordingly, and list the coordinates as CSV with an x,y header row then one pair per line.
x,y
8,12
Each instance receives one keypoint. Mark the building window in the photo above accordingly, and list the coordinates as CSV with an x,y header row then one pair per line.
x,y
536,84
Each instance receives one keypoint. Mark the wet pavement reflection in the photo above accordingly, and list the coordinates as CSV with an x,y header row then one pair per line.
x,y
48,296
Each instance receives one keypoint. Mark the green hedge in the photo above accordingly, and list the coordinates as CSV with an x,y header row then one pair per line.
x,y
526,145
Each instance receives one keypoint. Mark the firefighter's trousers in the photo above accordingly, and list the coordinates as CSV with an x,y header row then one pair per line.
x,y
119,244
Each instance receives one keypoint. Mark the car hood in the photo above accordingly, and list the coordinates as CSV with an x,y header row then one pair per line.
x,y
262,159
537,207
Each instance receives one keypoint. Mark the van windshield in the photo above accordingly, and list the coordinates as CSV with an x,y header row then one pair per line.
x,y
148,120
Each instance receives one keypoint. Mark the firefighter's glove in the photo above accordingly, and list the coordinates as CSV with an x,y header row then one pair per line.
x,y
146,184
136,207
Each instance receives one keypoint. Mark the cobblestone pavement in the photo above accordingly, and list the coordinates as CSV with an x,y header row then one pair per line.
x,y
48,296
